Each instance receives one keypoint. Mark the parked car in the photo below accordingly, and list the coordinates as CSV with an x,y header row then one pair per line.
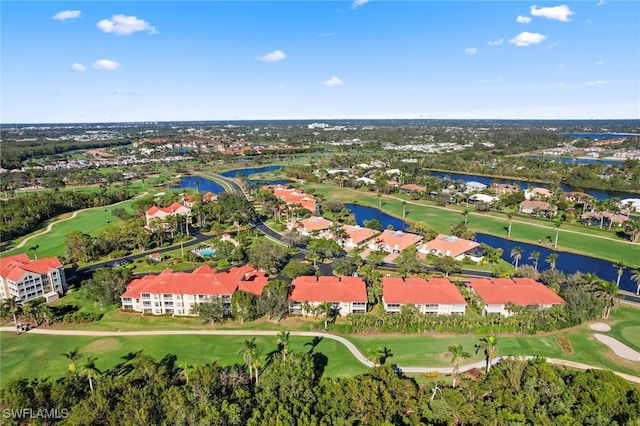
x,y
120,263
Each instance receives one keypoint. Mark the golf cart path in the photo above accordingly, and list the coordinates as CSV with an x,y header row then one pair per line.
x,y
73,216
350,346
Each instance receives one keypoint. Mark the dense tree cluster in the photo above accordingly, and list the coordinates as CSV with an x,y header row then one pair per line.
x,y
22,215
289,388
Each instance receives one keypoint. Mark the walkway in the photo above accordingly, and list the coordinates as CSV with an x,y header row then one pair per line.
x,y
73,216
350,346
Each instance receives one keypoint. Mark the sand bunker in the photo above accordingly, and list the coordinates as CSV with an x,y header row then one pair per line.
x,y
600,326
620,349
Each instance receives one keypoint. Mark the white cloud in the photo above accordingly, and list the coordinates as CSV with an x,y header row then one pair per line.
x,y
599,63
495,42
601,3
598,82
334,81
105,64
276,55
66,14
523,19
556,13
526,38
357,3
471,50
78,67
125,25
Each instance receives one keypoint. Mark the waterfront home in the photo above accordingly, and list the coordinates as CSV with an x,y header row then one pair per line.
x,y
538,208
537,193
482,198
496,293
505,188
631,203
176,293
412,188
347,295
28,279
435,296
452,246
394,241
356,235
473,186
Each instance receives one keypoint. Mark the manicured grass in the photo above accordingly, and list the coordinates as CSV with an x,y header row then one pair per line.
x,y
32,355
39,356
574,238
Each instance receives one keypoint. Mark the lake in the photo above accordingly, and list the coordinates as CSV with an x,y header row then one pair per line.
x,y
362,213
254,170
204,185
568,263
523,184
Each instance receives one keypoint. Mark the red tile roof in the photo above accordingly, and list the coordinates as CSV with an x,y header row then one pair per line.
x,y
359,234
328,289
293,196
520,291
168,210
14,267
419,291
315,223
398,240
204,280
448,245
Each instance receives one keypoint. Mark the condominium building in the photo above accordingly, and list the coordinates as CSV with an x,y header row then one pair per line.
x,y
28,279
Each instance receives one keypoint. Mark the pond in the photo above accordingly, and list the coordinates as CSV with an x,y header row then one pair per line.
x,y
568,263
202,185
362,213
250,171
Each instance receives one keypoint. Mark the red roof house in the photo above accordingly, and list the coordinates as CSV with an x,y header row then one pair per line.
x,y
497,292
348,294
394,241
449,245
177,292
437,296
28,279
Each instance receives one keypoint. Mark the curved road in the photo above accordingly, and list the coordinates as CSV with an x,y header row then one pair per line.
x,y
350,346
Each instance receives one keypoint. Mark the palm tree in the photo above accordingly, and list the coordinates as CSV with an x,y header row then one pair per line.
x,y
557,225
516,255
489,345
608,294
551,260
632,229
376,355
249,353
90,370
404,209
635,276
73,355
283,344
257,362
591,281
465,214
535,256
34,249
621,267
14,305
185,369
305,306
326,310
456,353
510,217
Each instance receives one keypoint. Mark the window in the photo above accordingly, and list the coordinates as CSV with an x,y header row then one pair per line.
x,y
126,300
145,296
128,307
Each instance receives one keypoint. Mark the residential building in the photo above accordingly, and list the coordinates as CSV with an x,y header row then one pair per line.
x,y
496,293
412,188
348,295
28,279
603,219
537,193
452,246
435,296
293,196
177,293
631,203
313,226
160,214
538,208
472,186
505,188
394,241
356,235
482,198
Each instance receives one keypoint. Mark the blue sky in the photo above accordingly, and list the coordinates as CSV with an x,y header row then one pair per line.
x,y
117,61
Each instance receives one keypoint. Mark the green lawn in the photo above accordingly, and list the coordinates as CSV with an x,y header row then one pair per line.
x,y
579,239
32,355
39,356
